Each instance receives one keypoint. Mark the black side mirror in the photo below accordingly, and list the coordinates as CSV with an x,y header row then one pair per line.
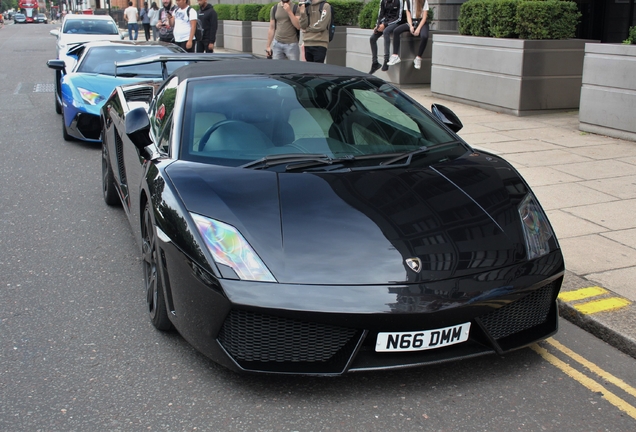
x,y
56,64
138,127
447,116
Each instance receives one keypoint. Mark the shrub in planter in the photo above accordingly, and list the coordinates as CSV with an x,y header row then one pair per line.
x,y
347,12
474,18
224,11
531,19
631,37
502,20
550,19
369,14
248,12
263,14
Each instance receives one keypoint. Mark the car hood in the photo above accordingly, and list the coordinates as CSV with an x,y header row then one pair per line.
x,y
361,227
101,84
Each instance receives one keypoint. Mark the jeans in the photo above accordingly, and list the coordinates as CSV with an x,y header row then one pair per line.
x,y
134,27
155,32
405,28
387,43
283,51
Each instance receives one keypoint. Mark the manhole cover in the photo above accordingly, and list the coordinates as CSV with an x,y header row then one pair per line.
x,y
44,88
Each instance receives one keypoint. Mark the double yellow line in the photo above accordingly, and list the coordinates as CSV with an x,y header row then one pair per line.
x,y
585,380
593,306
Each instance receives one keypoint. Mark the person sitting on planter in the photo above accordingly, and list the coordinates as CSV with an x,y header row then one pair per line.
x,y
417,25
389,17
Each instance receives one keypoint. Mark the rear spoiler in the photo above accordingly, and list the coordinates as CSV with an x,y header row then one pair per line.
x,y
185,57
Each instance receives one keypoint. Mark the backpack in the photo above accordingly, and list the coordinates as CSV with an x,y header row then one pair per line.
x,y
332,24
198,33
295,8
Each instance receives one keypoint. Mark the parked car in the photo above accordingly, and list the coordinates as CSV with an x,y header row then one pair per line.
x,y
42,19
84,88
303,218
19,18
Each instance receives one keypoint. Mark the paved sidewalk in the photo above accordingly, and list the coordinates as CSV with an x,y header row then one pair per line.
x,y
587,185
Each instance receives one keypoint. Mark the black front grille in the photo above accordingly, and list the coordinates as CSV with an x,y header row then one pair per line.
x,y
520,315
89,125
254,337
139,94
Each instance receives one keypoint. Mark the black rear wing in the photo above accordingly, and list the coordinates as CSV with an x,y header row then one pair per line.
x,y
164,59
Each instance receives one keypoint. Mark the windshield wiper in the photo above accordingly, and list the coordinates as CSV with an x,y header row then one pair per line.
x,y
409,155
127,74
272,160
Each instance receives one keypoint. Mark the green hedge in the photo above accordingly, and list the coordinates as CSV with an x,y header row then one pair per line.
x,y
248,11
224,11
369,14
525,19
263,15
347,12
631,37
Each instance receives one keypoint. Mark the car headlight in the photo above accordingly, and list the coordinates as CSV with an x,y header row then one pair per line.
x,y
228,247
90,97
536,228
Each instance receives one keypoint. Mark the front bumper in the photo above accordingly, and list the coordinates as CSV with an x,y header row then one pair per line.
x,y
331,330
85,126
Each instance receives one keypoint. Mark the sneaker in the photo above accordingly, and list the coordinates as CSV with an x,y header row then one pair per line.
x,y
374,67
395,59
385,66
417,62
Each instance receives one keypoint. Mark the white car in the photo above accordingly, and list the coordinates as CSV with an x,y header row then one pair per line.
x,y
77,28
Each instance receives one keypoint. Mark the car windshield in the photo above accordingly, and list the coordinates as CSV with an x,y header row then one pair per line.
x,y
101,60
89,26
315,120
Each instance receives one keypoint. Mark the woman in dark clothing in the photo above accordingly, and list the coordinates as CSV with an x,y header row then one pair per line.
x,y
417,24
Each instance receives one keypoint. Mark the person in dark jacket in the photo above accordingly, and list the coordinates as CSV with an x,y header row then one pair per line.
x,y
389,17
210,22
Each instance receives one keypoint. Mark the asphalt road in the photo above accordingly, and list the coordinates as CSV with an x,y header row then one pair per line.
x,y
77,351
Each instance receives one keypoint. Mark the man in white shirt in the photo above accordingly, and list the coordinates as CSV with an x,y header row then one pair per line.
x,y
131,15
184,23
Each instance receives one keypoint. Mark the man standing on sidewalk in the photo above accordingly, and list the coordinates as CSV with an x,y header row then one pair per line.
x,y
131,15
282,37
210,22
184,24
315,19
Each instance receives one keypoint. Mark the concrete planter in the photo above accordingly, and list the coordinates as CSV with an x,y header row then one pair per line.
x,y
259,37
237,35
513,76
219,36
359,57
337,50
608,95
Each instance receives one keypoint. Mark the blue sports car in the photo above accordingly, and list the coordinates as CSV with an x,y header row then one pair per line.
x,y
81,92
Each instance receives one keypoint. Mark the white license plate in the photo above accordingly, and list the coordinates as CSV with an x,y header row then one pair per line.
x,y
422,340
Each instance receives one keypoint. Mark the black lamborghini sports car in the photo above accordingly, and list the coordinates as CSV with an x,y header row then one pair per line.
x,y
311,219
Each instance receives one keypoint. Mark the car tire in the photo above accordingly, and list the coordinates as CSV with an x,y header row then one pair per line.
x,y
65,134
152,280
108,180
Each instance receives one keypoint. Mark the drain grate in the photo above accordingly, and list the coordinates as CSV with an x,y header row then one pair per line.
x,y
44,88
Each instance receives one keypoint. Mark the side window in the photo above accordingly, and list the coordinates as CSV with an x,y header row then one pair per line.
x,y
163,142
161,111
